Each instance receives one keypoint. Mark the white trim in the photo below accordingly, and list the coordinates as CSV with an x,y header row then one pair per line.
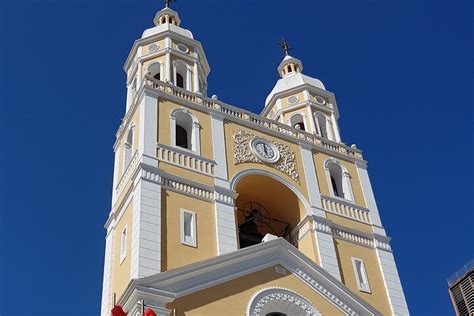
x,y
192,239
123,243
361,275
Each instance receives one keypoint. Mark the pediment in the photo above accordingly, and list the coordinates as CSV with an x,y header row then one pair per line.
x,y
206,274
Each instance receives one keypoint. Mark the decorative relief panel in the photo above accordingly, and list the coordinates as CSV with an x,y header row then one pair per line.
x,y
243,153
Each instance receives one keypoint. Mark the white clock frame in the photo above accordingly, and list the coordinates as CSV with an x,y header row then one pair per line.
x,y
256,140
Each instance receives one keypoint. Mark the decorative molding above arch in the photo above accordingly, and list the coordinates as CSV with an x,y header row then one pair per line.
x,y
243,153
276,299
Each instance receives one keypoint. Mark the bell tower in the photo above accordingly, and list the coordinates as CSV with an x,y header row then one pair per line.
x,y
169,53
301,101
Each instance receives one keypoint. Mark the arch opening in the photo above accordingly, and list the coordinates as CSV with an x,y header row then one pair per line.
x,y
265,206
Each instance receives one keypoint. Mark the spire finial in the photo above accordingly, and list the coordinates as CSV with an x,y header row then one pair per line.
x,y
168,2
285,46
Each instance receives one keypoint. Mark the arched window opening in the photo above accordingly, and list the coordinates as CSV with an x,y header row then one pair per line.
x,y
181,137
297,121
275,314
155,70
185,130
339,180
335,173
324,126
127,148
181,74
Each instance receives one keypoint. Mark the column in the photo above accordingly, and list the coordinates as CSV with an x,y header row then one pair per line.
x,y
224,197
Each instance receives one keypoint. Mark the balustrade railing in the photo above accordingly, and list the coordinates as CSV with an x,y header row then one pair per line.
x,y
186,160
345,209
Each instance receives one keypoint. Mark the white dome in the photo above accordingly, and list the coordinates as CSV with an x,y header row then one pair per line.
x,y
293,81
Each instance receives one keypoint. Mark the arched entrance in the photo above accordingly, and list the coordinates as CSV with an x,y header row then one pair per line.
x,y
265,205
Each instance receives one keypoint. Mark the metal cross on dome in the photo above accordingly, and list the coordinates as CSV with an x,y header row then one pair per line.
x,y
285,46
168,2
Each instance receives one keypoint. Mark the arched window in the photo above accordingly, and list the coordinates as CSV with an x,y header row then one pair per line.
x,y
127,149
324,126
155,70
185,131
181,74
297,121
338,180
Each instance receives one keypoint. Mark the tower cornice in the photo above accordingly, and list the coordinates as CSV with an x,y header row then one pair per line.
x,y
161,35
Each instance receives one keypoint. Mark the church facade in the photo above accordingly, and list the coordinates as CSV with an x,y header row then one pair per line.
x,y
220,211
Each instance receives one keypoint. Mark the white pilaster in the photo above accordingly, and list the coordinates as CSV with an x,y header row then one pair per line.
x,y
326,248
312,124
219,150
226,228
393,286
311,181
337,134
226,231
370,199
148,124
323,233
168,59
106,285
146,227
196,77
115,178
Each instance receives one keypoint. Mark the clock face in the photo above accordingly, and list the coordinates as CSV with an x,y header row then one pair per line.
x,y
264,150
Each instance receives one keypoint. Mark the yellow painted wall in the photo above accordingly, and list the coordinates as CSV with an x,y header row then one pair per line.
x,y
121,271
174,254
232,298
345,251
165,108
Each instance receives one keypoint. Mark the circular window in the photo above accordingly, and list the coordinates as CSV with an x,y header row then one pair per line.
x,y
153,47
292,99
320,100
182,48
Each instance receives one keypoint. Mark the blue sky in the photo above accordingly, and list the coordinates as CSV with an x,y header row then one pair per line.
x,y
402,72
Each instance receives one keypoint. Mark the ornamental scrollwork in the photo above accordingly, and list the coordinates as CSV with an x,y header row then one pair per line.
x,y
242,154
